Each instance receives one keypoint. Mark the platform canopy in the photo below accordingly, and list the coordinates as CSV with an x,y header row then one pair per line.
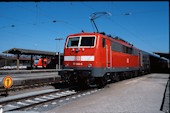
x,y
165,55
29,52
19,51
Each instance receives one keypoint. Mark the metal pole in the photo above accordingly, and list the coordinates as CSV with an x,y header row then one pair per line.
x,y
18,61
56,54
59,55
59,52
58,60
31,61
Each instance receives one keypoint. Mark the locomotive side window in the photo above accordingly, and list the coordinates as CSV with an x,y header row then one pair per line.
x,y
116,47
121,48
87,41
103,42
135,52
73,42
127,50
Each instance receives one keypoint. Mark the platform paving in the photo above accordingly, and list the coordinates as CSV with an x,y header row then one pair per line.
x,y
138,95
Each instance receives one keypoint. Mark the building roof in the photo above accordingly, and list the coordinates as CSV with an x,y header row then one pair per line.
x,y
29,52
165,55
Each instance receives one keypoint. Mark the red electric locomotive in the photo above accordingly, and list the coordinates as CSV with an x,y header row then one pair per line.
x,y
96,58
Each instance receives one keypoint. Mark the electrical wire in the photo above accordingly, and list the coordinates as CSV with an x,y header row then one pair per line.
x,y
129,31
38,14
133,34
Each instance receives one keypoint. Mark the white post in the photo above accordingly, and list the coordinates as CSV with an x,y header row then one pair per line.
x,y
58,53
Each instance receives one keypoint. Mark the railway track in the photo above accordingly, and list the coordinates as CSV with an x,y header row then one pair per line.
x,y
44,99
23,87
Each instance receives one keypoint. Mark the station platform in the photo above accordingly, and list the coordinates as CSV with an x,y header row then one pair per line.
x,y
142,94
30,77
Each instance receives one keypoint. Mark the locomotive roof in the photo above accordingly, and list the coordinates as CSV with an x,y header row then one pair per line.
x,y
116,39
84,33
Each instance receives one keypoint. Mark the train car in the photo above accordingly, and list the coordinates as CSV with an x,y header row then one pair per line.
x,y
96,58
40,63
145,63
158,65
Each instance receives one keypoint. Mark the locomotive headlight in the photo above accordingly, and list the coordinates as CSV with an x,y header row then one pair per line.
x,y
72,50
89,65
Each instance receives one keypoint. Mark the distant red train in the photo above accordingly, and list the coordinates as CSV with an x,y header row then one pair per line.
x,y
46,62
40,63
96,58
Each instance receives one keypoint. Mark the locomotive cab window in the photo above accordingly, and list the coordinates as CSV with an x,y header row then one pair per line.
x,y
84,41
36,61
73,42
87,41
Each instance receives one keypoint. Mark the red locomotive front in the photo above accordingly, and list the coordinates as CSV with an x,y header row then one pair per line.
x,y
79,51
79,55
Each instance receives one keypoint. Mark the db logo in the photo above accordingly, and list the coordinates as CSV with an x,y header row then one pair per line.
x,y
77,58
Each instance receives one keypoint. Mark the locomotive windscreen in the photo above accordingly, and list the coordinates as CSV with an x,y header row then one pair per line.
x,y
73,42
80,41
36,61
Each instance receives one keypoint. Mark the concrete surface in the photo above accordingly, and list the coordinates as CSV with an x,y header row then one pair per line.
x,y
24,95
138,95
165,105
32,78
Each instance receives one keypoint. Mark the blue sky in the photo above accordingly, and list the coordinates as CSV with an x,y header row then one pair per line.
x,y
30,25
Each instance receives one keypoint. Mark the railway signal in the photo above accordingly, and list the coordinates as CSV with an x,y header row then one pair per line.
x,y
7,82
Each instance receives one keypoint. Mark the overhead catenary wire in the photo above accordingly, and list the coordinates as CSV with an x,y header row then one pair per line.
x,y
33,24
37,12
51,19
133,34
17,23
38,16
129,31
